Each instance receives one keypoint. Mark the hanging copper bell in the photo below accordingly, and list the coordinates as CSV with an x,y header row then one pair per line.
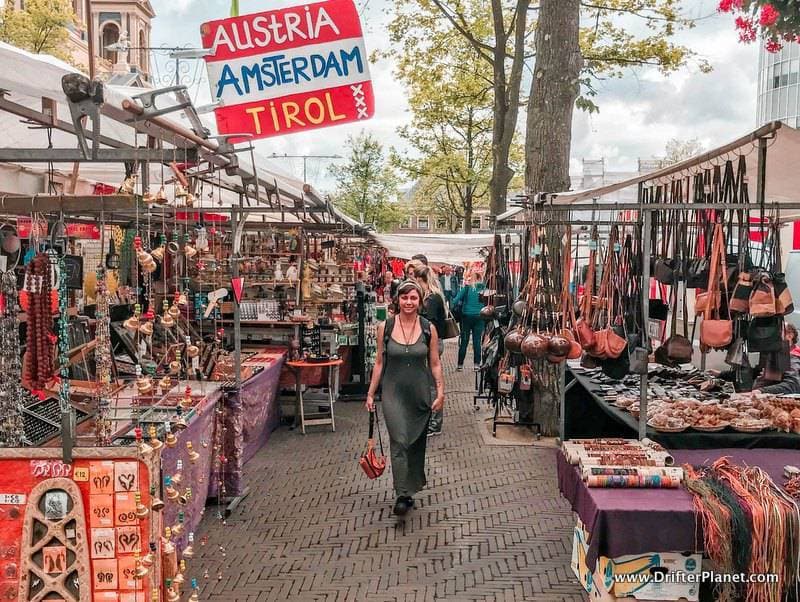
x,y
534,346
513,340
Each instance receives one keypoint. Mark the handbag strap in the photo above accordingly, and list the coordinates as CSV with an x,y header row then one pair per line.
x,y
373,424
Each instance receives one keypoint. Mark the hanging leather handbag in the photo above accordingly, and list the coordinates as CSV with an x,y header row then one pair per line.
x,y
715,331
371,463
667,270
764,334
737,356
784,305
638,359
740,300
697,272
762,299
677,349
657,308
583,325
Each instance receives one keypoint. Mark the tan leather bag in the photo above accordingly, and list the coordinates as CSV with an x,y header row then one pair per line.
x,y
762,299
715,331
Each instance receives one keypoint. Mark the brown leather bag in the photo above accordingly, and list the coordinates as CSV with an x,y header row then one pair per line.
x,y
615,344
716,332
583,326
372,464
762,299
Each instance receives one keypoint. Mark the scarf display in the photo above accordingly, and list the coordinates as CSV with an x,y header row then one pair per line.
x,y
10,367
750,526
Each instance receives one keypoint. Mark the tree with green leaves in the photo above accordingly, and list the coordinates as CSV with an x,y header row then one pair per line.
x,y
577,43
424,30
450,133
366,185
41,27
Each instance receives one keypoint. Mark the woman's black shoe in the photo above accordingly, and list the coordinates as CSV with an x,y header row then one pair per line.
x,y
401,506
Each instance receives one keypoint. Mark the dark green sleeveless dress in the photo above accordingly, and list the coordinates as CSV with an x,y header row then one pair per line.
x,y
407,409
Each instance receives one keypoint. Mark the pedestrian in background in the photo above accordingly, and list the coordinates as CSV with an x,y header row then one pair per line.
x,y
433,308
448,281
467,304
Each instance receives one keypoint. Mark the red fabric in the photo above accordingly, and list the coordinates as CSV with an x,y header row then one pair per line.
x,y
101,189
795,236
756,235
795,351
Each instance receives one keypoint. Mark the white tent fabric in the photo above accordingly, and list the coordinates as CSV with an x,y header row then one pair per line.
x,y
782,175
438,248
16,69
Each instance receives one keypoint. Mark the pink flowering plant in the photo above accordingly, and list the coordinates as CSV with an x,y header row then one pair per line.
x,y
774,21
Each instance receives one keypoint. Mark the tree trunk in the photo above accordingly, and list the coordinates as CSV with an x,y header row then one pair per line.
x,y
554,89
506,101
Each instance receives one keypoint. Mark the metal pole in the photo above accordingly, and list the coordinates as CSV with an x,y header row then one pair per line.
x,y
237,314
647,225
761,183
562,410
90,37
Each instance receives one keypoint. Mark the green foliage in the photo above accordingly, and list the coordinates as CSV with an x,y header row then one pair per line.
x,y
40,28
450,89
610,47
366,185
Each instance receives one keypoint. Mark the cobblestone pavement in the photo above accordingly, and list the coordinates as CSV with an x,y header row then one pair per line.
x,y
490,525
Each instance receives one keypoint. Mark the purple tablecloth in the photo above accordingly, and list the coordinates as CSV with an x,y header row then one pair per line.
x,y
637,521
196,475
251,415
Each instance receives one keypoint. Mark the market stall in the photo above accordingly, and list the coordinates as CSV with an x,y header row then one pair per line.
x,y
674,315
127,282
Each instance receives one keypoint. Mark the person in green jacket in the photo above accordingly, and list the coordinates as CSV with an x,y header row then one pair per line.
x,y
468,305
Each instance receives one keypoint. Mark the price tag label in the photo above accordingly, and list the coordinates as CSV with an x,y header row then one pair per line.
x,y
81,474
12,499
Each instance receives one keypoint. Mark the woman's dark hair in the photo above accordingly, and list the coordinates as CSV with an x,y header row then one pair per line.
x,y
792,332
402,288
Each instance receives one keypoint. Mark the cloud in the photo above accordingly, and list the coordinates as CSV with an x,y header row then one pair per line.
x,y
638,113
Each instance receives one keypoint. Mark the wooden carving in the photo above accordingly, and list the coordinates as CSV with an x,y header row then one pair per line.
x,y
55,557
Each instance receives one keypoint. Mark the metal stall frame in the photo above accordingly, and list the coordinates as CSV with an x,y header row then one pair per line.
x,y
645,214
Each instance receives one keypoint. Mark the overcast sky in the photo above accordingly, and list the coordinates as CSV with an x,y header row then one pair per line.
x,y
638,113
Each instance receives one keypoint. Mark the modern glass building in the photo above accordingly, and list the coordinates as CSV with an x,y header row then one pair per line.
x,y
779,85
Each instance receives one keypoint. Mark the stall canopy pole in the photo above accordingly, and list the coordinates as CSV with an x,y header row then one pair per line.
x,y
237,314
761,183
647,225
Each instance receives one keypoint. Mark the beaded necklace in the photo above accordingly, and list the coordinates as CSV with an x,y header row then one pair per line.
x,y
11,429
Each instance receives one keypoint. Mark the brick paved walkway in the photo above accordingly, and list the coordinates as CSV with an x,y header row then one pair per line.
x,y
490,525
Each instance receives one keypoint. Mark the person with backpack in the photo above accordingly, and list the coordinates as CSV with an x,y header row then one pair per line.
x,y
406,363
434,309
467,307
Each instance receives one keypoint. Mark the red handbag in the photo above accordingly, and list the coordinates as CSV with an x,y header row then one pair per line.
x,y
372,464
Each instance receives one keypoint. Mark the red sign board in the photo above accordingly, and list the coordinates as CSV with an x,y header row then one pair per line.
x,y
290,70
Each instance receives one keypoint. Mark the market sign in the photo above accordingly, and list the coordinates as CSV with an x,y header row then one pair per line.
x,y
289,70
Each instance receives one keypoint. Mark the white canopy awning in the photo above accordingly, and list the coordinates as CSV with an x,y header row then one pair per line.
x,y
26,79
438,248
782,184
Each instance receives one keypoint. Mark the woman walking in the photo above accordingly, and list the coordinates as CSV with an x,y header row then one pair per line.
x,y
433,308
407,361
468,305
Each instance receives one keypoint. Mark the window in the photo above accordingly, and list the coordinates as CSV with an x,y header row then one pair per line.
x,y
423,223
110,36
476,222
441,224
406,223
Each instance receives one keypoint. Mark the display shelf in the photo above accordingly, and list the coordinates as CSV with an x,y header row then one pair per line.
x,y
262,322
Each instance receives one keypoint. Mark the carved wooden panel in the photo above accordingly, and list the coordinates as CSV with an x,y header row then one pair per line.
x,y
55,557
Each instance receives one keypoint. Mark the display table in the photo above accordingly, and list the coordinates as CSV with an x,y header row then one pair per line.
x,y
252,413
587,414
198,475
638,521
298,367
